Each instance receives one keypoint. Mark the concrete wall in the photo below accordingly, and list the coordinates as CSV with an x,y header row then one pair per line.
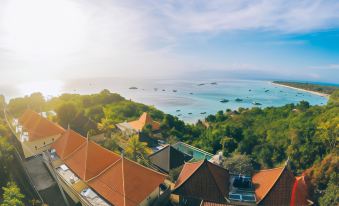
x,y
155,199
31,148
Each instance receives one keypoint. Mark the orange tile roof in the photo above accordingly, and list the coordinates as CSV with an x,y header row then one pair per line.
x,y
89,160
118,180
264,181
67,143
187,171
126,183
144,120
203,180
37,126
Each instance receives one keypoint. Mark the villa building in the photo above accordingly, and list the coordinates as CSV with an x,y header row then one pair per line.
x,y
94,176
136,126
169,158
36,133
204,183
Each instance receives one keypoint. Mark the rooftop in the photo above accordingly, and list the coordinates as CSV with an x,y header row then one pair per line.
x,y
37,126
213,184
264,180
204,180
168,158
145,119
117,179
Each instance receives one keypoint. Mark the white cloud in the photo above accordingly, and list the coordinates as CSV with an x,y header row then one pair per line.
x,y
288,16
333,66
62,38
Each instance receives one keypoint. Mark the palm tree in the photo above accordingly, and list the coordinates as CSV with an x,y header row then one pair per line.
x,y
106,125
136,148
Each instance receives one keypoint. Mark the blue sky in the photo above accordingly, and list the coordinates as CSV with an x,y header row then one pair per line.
x,y
67,39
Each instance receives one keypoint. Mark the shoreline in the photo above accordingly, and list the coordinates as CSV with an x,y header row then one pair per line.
x,y
304,90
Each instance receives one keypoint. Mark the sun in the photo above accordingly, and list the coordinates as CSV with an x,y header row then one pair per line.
x,y
43,28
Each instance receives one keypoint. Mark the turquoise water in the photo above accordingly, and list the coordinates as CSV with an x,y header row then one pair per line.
x,y
196,101
193,99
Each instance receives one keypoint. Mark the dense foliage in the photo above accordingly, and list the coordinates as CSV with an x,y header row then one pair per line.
x,y
310,86
12,195
262,138
331,196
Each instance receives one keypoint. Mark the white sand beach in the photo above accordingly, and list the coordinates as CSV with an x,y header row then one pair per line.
x,y
304,90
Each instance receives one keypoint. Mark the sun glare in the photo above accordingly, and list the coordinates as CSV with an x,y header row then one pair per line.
x,y
47,88
43,27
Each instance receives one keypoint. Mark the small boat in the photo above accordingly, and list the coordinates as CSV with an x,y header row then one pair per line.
x,y
190,113
174,90
224,100
250,90
238,100
214,83
133,88
191,93
202,112
256,103
267,90
179,115
178,110
163,90
202,84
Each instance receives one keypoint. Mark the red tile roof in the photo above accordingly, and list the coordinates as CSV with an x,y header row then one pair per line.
x,y
67,143
144,120
37,126
126,183
90,159
120,181
264,180
187,171
204,180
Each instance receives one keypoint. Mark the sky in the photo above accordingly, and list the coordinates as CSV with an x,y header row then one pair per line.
x,y
67,39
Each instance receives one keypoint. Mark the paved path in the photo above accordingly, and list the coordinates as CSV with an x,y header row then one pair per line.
x,y
44,181
39,173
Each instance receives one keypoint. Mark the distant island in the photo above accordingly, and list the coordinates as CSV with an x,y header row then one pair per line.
x,y
318,89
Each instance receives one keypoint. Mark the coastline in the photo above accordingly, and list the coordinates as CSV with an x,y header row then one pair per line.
x,y
304,90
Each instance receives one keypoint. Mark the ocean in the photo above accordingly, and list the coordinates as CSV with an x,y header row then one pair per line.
x,y
189,100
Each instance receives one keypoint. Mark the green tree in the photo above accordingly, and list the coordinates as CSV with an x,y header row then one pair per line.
x,y
66,113
12,195
228,145
329,132
111,143
239,164
6,158
106,125
135,148
331,194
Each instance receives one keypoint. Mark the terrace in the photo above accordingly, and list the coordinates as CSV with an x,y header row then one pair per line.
x,y
241,190
67,174
93,198
196,153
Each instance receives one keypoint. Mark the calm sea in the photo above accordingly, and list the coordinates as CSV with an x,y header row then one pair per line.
x,y
191,100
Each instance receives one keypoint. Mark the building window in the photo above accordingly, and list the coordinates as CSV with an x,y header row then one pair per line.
x,y
44,143
36,147
52,139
